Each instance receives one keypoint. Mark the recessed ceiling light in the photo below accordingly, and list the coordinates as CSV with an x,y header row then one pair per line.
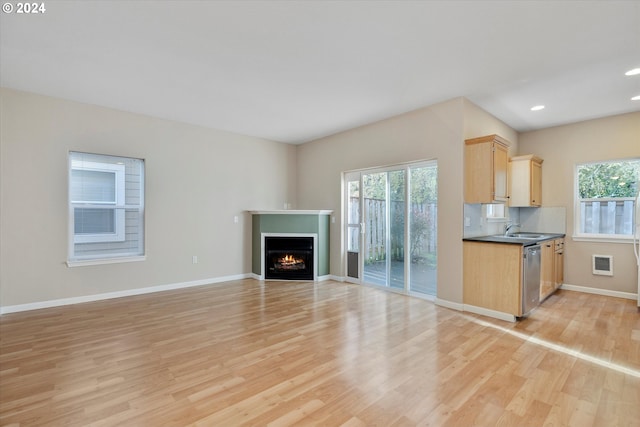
x,y
636,98
633,72
537,108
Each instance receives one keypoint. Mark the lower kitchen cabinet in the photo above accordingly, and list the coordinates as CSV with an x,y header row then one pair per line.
x,y
493,276
551,267
503,277
559,262
547,269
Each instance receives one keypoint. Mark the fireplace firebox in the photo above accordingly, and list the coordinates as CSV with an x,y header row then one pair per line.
x,y
288,257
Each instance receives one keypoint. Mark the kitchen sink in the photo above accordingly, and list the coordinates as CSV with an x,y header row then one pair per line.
x,y
530,236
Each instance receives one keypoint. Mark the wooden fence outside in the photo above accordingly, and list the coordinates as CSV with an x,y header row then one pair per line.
x,y
607,216
423,229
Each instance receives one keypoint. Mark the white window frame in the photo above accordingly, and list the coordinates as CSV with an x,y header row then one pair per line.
x,y
496,212
127,243
577,219
118,170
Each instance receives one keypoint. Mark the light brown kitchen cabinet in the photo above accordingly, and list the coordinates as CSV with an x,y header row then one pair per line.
x,y
486,161
547,269
559,262
525,181
551,267
492,276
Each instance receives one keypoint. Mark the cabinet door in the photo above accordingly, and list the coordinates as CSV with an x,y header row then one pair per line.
x,y
547,267
559,263
486,160
526,181
536,184
478,174
519,183
500,166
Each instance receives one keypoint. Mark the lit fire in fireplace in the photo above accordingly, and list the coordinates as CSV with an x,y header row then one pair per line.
x,y
290,262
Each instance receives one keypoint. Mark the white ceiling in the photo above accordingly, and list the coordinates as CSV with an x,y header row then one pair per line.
x,y
294,71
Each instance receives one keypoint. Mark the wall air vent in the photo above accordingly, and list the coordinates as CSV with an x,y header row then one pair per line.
x,y
603,265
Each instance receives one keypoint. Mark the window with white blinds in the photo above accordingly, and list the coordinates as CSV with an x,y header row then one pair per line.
x,y
106,207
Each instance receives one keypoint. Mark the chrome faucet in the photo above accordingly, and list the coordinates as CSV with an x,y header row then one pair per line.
x,y
508,226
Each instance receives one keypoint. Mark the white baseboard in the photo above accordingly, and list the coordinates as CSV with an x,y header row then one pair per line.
x,y
118,294
331,277
598,291
490,313
449,304
476,310
320,278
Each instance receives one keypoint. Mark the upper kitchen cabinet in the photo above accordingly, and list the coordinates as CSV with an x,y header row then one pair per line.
x,y
526,181
486,161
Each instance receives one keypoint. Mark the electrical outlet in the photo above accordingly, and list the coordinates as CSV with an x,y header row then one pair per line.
x,y
235,219
194,259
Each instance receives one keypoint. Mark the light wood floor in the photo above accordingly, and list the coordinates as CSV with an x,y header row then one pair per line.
x,y
291,353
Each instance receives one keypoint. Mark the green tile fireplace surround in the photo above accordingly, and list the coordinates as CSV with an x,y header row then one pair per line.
x,y
291,222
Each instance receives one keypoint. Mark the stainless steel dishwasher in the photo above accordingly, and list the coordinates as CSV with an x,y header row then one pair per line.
x,y
530,278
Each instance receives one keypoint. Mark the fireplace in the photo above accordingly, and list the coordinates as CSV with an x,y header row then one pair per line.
x,y
289,257
312,224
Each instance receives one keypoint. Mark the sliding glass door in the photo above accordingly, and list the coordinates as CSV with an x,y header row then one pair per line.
x,y
397,214
388,249
374,191
423,228
354,224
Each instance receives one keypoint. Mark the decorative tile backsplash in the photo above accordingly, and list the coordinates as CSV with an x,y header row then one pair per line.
x,y
544,219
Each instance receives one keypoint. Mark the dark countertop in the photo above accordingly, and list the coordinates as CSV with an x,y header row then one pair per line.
x,y
515,240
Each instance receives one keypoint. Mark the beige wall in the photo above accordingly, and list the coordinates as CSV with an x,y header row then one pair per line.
x,y
197,180
562,148
435,132
478,122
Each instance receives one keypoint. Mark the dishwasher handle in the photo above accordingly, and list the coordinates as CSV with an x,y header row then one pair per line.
x,y
531,251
